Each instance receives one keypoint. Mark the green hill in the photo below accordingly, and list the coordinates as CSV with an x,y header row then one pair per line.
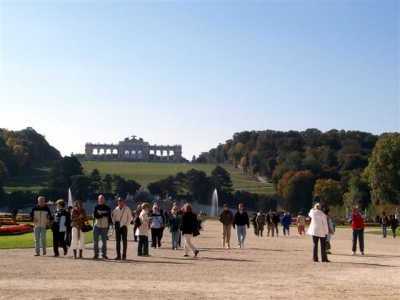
x,y
142,172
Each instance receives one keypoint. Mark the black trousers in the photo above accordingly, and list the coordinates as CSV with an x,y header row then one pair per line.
x,y
156,236
58,239
324,257
121,234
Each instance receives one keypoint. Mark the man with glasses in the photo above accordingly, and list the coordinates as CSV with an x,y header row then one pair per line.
x,y
102,219
121,219
240,222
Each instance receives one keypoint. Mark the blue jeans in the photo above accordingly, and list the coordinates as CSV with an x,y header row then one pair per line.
x,y
143,245
241,234
97,231
40,234
384,230
360,234
175,235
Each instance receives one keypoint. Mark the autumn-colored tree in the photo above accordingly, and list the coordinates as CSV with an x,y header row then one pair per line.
x,y
328,192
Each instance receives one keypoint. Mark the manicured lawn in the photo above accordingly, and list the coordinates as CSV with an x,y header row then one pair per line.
x,y
27,240
142,172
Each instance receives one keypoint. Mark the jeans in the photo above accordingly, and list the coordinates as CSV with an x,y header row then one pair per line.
x,y
143,245
241,234
286,229
384,230
360,234
175,236
121,234
324,257
40,234
97,231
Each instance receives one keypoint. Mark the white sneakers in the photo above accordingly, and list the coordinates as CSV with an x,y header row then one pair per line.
x,y
353,253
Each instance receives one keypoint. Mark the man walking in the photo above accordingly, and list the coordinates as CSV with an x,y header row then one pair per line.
x,y
384,221
40,215
240,222
102,219
226,218
121,219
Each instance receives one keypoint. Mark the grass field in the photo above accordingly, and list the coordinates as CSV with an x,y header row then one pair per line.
x,y
142,172
27,240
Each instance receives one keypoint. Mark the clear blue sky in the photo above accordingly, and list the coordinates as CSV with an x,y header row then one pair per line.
x,y
194,73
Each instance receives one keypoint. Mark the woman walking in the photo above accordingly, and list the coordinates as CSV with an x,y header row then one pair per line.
x,y
189,229
174,223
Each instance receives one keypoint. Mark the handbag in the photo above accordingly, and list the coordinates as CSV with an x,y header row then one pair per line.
x,y
327,245
87,227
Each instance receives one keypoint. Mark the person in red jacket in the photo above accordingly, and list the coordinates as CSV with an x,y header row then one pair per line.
x,y
357,224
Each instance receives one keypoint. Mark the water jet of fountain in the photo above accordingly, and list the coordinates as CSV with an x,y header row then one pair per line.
x,y
214,204
70,200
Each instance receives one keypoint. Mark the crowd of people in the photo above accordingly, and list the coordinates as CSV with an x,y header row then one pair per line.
x,y
69,227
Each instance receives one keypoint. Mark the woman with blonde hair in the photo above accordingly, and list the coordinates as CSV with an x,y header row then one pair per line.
x,y
78,219
319,230
143,231
189,229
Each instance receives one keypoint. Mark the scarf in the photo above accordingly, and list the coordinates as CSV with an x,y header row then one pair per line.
x,y
80,220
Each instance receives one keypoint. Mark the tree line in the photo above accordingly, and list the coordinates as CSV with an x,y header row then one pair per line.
x,y
333,167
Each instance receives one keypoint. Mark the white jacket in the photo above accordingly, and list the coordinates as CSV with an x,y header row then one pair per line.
x,y
319,224
123,215
144,228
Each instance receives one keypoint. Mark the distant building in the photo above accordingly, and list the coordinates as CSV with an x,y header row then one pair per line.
x,y
133,150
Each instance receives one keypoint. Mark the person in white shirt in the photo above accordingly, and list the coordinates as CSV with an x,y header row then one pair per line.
x,y
121,219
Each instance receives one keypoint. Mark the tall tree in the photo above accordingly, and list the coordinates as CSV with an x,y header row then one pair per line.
x,y
62,171
328,192
383,171
221,179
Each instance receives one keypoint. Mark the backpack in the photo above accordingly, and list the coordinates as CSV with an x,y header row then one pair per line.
x,y
137,222
384,220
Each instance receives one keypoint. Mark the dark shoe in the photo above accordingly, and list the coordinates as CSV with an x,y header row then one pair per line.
x,y
80,254
159,245
37,254
65,251
326,261
315,260
139,254
44,252
56,255
146,255
195,254
105,256
96,256
117,258
74,257
185,255
123,258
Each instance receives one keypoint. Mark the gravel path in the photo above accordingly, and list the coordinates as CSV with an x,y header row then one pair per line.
x,y
267,268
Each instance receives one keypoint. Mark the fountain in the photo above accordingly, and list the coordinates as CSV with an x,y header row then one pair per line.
x,y
214,204
70,200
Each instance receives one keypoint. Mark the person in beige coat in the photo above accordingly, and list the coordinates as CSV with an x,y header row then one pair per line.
x,y
143,231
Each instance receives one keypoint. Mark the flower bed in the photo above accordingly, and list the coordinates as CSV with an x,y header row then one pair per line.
x,y
16,229
7,222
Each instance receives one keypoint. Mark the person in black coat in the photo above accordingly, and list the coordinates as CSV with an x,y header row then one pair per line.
x,y
189,229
